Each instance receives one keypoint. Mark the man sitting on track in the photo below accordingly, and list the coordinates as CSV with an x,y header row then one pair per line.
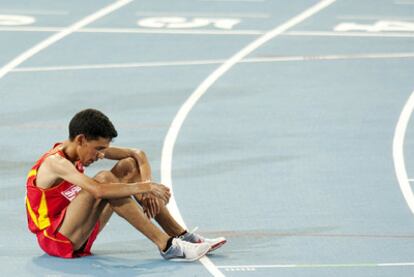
x,y
67,209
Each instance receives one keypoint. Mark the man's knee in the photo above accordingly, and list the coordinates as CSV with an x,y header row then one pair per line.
x,y
126,169
106,177
127,164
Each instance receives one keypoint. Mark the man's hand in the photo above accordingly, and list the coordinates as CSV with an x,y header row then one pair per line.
x,y
153,200
159,191
151,206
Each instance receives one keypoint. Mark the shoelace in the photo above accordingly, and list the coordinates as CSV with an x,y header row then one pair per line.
x,y
192,232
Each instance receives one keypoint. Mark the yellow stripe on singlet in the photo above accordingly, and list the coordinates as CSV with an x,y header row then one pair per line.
x,y
32,172
43,218
31,212
42,221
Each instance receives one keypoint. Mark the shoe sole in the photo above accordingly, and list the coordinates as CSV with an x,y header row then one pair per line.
x,y
186,260
217,246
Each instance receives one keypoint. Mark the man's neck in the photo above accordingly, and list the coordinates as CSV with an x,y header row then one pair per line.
x,y
69,149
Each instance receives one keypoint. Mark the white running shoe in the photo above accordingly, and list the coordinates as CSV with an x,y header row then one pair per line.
x,y
183,251
215,243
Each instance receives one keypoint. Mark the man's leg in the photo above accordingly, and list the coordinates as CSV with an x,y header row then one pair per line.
x,y
128,171
81,217
168,223
84,211
132,212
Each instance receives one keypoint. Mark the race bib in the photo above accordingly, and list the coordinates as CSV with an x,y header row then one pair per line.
x,y
71,192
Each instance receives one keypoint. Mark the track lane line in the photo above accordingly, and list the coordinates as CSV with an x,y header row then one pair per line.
x,y
398,152
60,35
171,137
403,55
312,266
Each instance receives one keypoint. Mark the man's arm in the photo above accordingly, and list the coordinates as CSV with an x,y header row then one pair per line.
x,y
64,169
151,204
118,153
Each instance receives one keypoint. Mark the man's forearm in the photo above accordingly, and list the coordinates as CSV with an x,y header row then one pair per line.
x,y
118,153
118,190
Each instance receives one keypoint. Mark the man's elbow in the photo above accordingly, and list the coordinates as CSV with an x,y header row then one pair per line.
x,y
141,155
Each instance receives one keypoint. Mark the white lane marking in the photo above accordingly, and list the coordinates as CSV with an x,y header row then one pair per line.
x,y
169,142
58,36
396,264
347,34
116,65
206,32
16,20
180,23
198,14
349,265
218,61
135,31
375,27
30,29
40,12
398,152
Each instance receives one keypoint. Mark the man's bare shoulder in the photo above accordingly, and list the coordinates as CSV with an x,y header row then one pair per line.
x,y
51,169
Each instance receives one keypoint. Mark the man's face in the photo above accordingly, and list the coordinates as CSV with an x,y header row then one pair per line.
x,y
92,150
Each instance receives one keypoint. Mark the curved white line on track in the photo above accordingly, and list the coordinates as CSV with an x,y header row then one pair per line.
x,y
60,35
398,152
170,139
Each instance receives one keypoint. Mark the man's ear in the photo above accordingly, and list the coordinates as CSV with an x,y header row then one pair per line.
x,y
80,139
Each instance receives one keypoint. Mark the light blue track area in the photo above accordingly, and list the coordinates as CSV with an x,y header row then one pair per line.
x,y
297,145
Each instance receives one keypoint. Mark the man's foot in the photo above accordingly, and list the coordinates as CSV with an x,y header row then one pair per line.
x,y
215,243
183,251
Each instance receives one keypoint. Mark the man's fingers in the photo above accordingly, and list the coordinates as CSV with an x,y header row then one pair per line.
x,y
168,196
149,213
153,207
157,207
161,192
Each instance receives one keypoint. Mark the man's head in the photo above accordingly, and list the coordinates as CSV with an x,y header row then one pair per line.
x,y
92,131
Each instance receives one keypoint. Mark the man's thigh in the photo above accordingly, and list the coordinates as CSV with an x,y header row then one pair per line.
x,y
105,216
84,212
81,217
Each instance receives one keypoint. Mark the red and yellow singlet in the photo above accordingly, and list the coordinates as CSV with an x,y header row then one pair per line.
x,y
46,210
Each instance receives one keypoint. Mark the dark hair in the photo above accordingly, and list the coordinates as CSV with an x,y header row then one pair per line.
x,y
93,124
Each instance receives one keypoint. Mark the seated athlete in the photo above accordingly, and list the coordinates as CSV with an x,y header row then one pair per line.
x,y
67,209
